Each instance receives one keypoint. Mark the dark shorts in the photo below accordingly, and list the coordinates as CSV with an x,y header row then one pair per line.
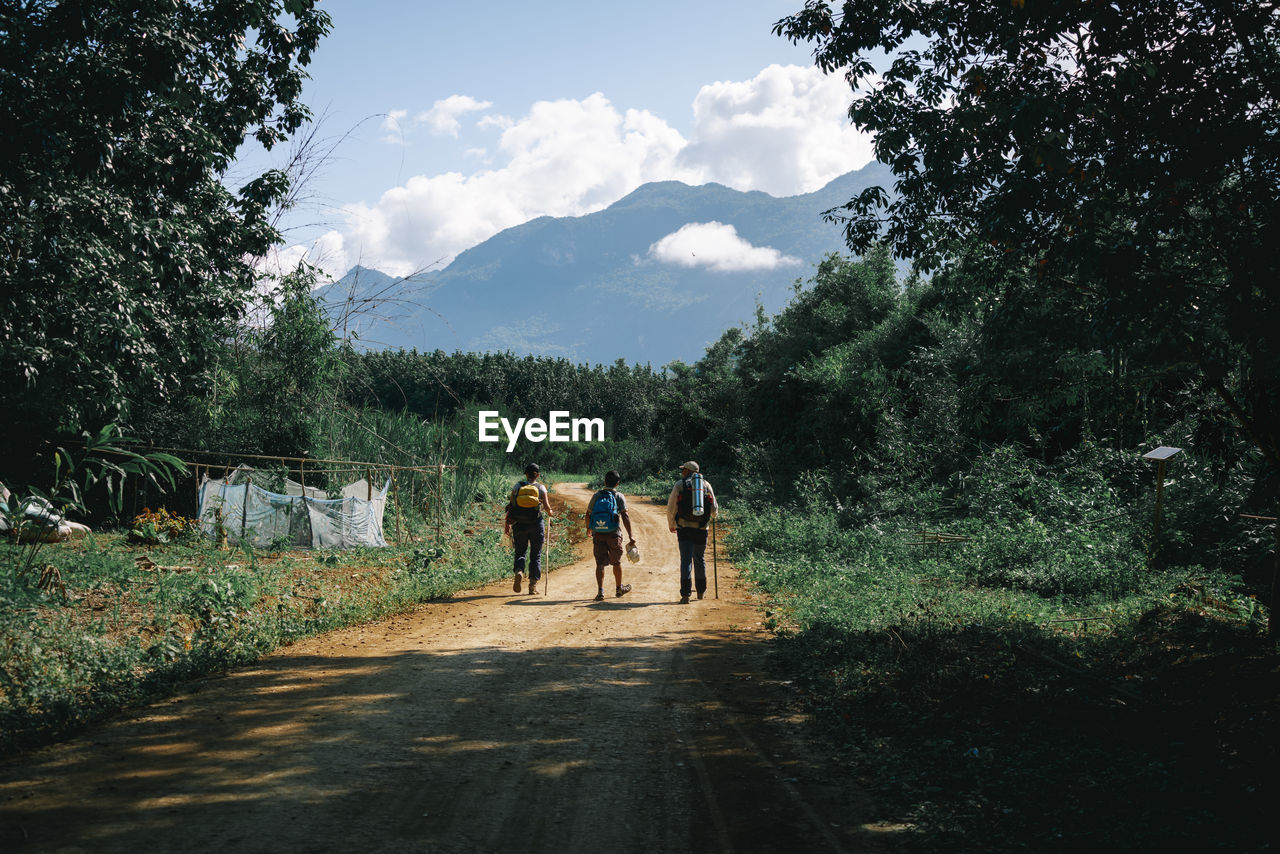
x,y
608,548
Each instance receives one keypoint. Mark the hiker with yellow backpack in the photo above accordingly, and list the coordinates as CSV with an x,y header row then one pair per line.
x,y
524,524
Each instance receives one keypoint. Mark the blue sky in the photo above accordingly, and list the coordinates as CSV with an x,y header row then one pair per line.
x,y
459,120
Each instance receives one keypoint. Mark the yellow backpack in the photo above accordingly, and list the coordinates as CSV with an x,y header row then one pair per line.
x,y
528,496
527,502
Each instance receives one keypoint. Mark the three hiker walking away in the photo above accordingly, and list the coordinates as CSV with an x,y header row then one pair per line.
x,y
606,516
524,522
691,507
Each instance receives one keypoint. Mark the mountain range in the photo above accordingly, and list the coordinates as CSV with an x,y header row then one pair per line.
x,y
606,285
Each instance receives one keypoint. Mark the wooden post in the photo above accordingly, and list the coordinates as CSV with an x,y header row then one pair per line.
x,y
1161,455
1155,522
244,506
219,529
302,476
439,503
395,496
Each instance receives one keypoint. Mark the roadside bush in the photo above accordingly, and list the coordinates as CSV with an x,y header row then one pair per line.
x,y
152,527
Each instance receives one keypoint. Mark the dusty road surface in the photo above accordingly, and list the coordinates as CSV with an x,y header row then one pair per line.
x,y
489,722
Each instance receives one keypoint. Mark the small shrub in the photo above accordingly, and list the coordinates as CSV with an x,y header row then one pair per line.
x,y
152,527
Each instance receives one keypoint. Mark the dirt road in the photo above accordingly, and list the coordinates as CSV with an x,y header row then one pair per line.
x,y
489,722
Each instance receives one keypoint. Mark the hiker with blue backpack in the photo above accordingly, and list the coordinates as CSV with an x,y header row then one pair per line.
x,y
606,516
690,509
524,524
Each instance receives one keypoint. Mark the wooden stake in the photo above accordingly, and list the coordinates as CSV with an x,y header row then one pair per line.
x,y
395,496
244,506
1155,525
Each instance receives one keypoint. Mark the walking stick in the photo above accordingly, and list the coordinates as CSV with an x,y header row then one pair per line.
x,y
546,559
715,564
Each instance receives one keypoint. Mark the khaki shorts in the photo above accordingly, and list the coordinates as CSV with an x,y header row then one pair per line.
x,y
608,548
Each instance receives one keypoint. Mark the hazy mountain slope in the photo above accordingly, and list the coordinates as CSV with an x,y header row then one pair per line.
x,y
587,287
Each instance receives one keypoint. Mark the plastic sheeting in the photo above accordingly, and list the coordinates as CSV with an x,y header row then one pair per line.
x,y
40,522
292,487
252,514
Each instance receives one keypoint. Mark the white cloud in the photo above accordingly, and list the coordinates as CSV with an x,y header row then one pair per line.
x,y
442,118
494,120
785,131
328,253
719,248
564,158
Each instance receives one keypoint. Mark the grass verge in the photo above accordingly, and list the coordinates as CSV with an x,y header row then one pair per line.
x,y
1024,690
116,624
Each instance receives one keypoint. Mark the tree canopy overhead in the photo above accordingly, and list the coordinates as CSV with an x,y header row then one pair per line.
x,y
1130,150
124,255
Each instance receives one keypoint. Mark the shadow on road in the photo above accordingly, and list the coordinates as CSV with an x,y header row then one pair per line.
x,y
665,743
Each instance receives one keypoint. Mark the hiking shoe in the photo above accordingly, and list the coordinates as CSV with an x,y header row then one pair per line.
x,y
626,588
600,596
533,588
684,600
700,592
518,582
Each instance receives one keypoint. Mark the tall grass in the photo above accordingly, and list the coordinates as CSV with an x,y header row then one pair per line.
x,y
971,684
457,466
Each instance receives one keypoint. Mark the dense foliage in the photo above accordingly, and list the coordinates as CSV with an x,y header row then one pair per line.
x,y
126,259
1128,151
441,385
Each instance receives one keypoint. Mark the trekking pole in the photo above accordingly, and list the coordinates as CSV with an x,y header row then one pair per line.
x,y
715,564
546,559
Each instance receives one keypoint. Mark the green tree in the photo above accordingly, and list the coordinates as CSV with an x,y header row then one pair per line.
x,y
276,384
1128,151
125,258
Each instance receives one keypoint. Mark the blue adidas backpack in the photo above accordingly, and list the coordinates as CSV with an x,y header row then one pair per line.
x,y
604,512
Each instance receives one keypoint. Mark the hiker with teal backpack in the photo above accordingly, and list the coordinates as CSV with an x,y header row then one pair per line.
x,y
606,515
524,523
690,509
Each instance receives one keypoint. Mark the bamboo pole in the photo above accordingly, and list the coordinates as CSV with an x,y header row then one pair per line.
x,y
439,508
270,457
395,496
546,560
244,506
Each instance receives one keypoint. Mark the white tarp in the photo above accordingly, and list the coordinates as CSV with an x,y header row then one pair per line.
x,y
292,487
261,518
37,519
